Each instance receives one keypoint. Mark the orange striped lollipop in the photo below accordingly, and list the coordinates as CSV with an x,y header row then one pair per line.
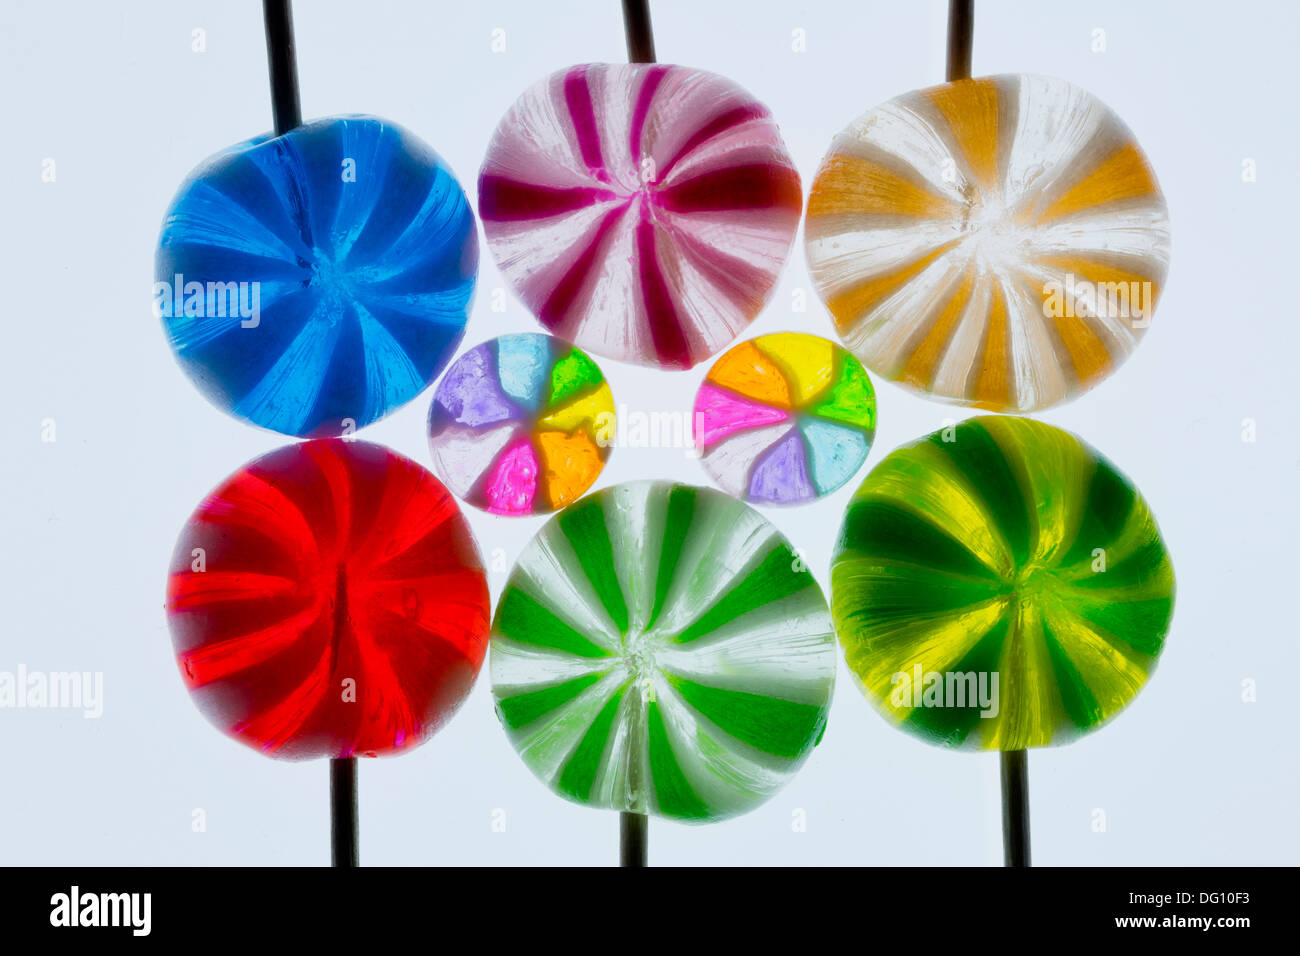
x,y
997,242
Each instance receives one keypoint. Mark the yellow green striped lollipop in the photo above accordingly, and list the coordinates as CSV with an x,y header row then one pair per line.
x,y
999,585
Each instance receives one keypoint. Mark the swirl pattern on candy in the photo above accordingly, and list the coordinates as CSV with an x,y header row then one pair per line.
x,y
997,242
313,282
1003,548
317,564
642,211
521,425
784,418
661,649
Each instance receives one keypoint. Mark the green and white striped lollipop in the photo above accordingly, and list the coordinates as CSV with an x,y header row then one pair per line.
x,y
662,649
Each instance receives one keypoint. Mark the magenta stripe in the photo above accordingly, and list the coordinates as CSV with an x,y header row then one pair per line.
x,y
555,311
745,286
661,312
577,97
720,413
758,186
508,200
719,124
649,86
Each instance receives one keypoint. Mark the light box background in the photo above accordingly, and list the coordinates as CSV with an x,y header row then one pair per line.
x,y
1189,774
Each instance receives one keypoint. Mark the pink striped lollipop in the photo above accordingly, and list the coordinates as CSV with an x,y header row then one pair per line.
x,y
641,211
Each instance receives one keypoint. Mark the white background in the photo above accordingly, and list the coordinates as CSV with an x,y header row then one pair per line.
x,y
1188,774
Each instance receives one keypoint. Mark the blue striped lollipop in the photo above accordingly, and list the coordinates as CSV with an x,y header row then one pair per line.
x,y
313,282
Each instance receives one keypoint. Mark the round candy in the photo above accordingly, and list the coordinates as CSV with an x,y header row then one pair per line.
x,y
997,242
784,418
327,600
662,649
999,585
311,283
642,211
521,425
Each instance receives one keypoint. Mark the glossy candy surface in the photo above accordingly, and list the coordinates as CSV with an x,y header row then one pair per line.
x,y
327,600
521,425
311,283
642,211
784,418
1000,547
662,649
997,242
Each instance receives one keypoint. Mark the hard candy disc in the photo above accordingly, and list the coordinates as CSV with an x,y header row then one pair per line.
x,y
641,211
999,585
521,424
784,418
327,600
662,649
311,283
997,242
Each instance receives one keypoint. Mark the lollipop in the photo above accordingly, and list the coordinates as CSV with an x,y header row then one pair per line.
x,y
314,281
661,649
327,600
521,424
642,211
344,610
999,585
997,242
784,418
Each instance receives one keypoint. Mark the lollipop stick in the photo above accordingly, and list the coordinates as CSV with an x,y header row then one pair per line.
x,y
632,827
640,36
283,65
961,22
343,811
1015,807
632,830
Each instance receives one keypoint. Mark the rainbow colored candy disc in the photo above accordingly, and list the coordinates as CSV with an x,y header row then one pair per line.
x,y
784,418
313,282
642,211
997,242
999,585
662,649
327,600
521,424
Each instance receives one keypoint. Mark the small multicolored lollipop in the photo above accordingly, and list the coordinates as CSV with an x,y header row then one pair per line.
x,y
784,418
999,585
661,649
327,600
642,211
521,424
314,281
997,242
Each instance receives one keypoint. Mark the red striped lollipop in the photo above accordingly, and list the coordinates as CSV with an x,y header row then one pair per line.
x,y
641,211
